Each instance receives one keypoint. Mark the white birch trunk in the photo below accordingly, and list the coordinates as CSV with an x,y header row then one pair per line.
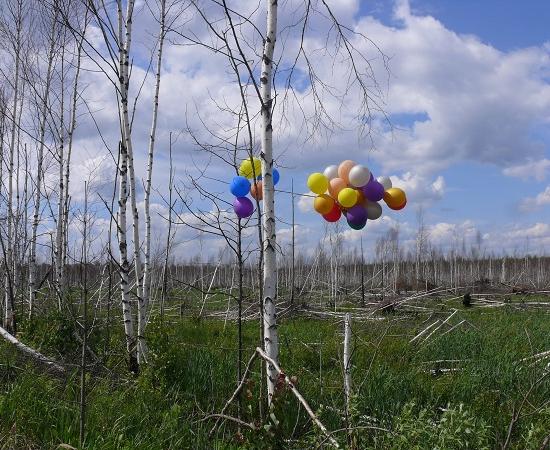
x,y
147,266
127,317
31,352
347,362
18,243
271,339
124,163
70,134
9,320
39,170
59,234
124,82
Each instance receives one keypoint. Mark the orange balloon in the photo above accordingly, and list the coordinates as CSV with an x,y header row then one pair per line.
x,y
361,200
257,190
335,186
323,204
344,168
395,197
397,208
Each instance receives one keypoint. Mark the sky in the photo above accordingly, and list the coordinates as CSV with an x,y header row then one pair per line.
x,y
465,89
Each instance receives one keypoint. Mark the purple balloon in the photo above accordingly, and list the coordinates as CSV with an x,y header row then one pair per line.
x,y
373,190
357,215
243,207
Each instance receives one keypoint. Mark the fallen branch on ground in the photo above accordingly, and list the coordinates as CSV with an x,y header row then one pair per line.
x,y
37,356
259,352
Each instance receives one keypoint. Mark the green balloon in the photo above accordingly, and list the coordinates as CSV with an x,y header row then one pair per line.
x,y
359,226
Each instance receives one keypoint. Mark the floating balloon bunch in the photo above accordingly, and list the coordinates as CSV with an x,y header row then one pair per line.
x,y
240,187
353,192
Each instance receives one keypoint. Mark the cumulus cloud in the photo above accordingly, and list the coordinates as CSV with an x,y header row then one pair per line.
x,y
305,202
301,235
451,98
531,239
533,203
477,103
539,230
419,188
98,172
537,170
445,233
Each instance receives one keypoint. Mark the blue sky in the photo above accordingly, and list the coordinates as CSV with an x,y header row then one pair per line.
x,y
504,24
481,190
477,194
468,94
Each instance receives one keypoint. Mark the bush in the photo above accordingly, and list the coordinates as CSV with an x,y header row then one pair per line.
x,y
454,428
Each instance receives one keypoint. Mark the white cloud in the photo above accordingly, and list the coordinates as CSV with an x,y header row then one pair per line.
x,y
533,203
301,234
477,103
98,172
419,188
445,233
537,170
451,97
539,230
305,202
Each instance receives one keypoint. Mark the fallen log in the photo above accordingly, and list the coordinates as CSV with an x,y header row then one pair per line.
x,y
33,354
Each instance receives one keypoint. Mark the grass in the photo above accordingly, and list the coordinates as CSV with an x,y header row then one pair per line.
x,y
397,385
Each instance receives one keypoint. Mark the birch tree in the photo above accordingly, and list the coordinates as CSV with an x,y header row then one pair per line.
x,y
235,39
17,15
62,231
115,24
271,338
150,160
43,98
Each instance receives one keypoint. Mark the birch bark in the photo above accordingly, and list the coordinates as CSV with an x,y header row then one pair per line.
x,y
129,332
125,146
39,169
271,339
347,363
9,320
70,134
147,265
60,228
124,82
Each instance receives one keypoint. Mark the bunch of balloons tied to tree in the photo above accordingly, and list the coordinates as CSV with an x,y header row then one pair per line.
x,y
241,186
351,190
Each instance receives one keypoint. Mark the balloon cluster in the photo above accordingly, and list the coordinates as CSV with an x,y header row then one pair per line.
x,y
240,187
353,192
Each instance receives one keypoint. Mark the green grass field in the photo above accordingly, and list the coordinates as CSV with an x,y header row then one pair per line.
x,y
457,390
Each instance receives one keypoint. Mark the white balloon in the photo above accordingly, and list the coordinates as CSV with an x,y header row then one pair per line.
x,y
359,175
374,210
331,172
386,182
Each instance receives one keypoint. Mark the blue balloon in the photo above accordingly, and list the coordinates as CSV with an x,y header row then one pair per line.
x,y
240,186
276,177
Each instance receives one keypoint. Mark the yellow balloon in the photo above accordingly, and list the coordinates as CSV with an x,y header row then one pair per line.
x,y
317,183
247,170
257,167
395,197
347,197
323,204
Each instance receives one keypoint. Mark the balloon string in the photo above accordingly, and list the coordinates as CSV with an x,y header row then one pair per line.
x,y
295,194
